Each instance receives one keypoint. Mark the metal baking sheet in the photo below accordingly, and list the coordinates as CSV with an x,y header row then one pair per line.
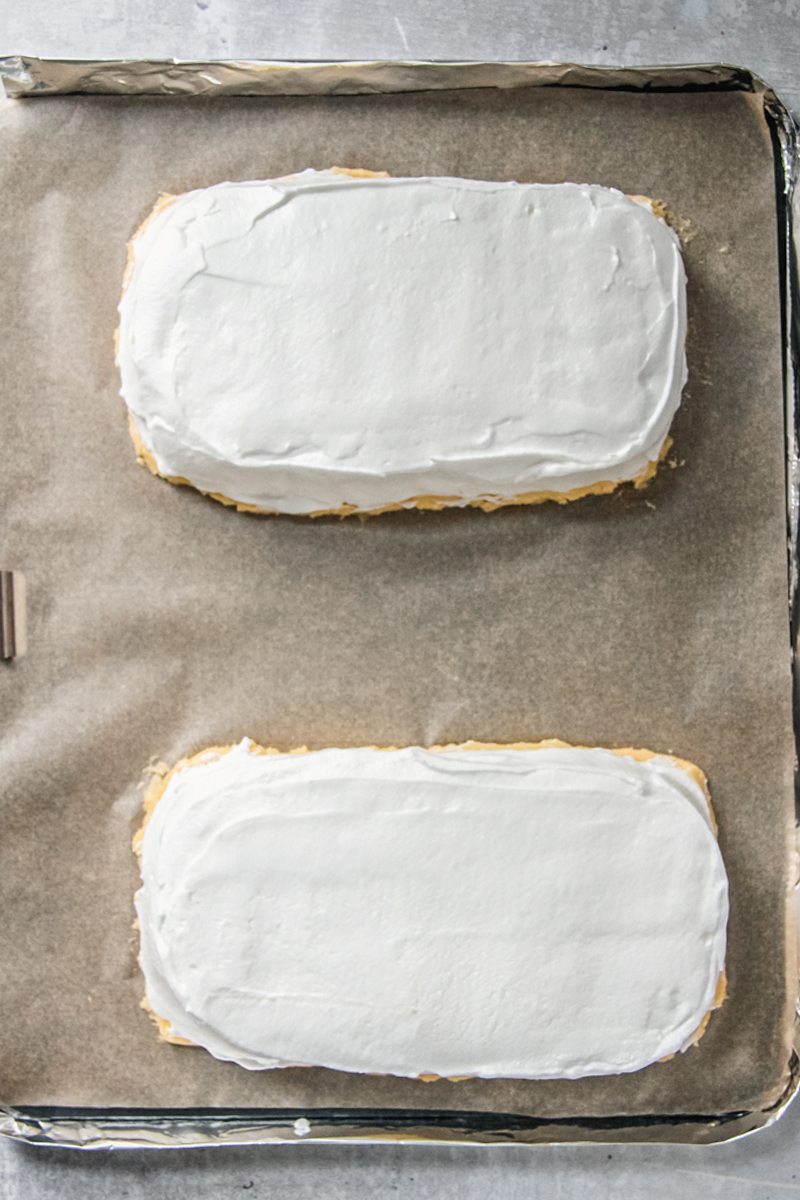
x,y
160,622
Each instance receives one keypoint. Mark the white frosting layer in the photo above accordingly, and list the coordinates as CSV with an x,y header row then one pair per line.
x,y
526,913
303,343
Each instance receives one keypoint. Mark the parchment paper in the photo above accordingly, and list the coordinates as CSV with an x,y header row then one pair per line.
x,y
160,622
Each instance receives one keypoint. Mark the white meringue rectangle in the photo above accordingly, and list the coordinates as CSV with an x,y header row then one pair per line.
x,y
529,912
326,342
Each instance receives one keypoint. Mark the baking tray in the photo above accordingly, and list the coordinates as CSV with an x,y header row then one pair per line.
x,y
93,1126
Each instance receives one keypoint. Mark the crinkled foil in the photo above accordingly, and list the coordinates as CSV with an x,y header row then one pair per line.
x,y
96,1130
27,76
24,77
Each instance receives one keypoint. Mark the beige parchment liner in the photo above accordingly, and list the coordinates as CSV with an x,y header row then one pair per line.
x,y
161,622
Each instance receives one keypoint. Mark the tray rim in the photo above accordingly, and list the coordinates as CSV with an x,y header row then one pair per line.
x,y
27,77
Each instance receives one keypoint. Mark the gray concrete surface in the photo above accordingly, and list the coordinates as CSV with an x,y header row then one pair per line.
x,y
761,34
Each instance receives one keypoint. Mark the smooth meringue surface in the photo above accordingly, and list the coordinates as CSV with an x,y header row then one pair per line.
x,y
530,913
321,340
